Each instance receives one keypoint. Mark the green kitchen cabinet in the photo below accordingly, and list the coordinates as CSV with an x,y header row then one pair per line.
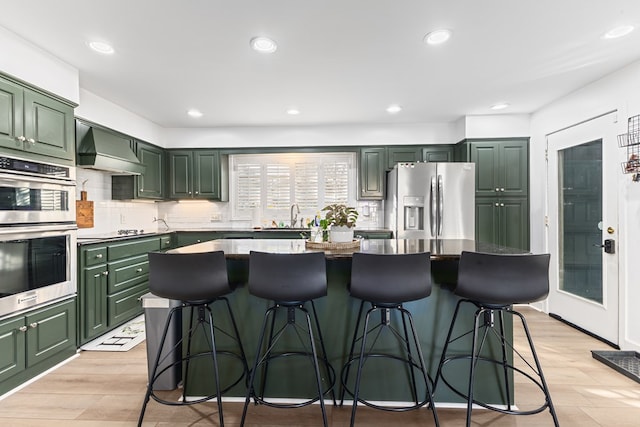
x,y
185,238
151,183
502,167
503,221
35,341
437,153
197,174
35,125
92,302
112,278
402,154
502,189
371,168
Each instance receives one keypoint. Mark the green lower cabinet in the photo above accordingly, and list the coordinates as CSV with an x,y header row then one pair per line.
x,y
93,303
36,341
12,347
503,221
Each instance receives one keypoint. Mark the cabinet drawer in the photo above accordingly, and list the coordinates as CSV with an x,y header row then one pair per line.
x,y
95,256
127,273
126,305
132,248
165,242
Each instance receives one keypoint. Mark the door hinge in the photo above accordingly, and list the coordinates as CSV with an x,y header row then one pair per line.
x,y
546,220
546,154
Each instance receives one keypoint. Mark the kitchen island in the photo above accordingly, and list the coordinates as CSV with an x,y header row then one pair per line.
x,y
337,313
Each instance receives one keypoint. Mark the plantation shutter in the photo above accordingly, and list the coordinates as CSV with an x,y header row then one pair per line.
x,y
248,189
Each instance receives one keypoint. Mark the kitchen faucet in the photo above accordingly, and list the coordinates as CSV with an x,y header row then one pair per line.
x,y
162,221
294,219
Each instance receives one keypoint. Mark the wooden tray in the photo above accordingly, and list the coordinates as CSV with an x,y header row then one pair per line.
x,y
354,244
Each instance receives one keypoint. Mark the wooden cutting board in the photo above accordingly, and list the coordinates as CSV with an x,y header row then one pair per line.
x,y
84,211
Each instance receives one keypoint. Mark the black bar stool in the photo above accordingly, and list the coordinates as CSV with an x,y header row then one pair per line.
x,y
198,280
290,281
386,282
493,283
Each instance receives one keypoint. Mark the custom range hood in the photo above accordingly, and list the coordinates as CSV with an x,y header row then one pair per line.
x,y
103,150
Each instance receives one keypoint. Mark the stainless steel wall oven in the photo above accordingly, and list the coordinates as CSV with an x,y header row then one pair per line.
x,y
37,233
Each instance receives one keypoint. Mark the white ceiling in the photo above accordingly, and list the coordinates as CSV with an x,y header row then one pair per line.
x,y
338,61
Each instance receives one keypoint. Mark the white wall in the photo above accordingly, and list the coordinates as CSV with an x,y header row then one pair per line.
x,y
621,92
106,113
27,62
296,136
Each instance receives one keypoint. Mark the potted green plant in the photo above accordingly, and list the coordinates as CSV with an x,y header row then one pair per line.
x,y
342,219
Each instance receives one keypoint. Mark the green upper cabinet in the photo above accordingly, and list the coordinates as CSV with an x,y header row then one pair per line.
x,y
371,169
34,123
502,167
397,154
150,184
437,153
197,174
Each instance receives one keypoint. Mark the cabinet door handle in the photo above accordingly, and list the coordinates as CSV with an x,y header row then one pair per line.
x,y
21,138
31,140
497,189
105,273
497,204
139,270
22,329
99,256
502,189
501,204
196,192
33,325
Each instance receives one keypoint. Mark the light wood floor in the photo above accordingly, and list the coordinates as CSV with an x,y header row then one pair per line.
x,y
106,389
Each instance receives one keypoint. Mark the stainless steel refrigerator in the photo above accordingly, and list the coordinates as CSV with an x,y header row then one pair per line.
x,y
431,201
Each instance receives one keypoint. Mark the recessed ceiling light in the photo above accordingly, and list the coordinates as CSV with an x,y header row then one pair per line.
x,y
616,32
394,108
194,113
101,47
293,111
438,36
263,44
499,106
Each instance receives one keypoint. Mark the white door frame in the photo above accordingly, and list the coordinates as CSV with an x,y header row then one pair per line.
x,y
600,319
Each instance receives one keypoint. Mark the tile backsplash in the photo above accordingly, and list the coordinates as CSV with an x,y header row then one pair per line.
x,y
111,215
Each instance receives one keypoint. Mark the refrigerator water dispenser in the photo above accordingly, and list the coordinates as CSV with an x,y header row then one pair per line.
x,y
413,212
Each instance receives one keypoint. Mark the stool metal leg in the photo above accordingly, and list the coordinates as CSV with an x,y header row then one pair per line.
x,y
331,375
345,374
539,368
215,363
423,366
188,356
356,391
406,339
317,368
472,366
154,371
505,362
252,375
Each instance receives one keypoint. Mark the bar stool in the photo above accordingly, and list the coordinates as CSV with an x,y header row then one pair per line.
x,y
290,281
493,283
385,282
198,280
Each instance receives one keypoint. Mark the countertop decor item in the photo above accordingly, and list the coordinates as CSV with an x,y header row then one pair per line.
x,y
354,244
342,219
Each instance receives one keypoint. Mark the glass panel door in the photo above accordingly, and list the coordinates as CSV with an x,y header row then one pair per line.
x,y
580,192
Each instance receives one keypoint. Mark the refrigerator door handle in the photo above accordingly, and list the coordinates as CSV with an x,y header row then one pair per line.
x,y
440,205
432,207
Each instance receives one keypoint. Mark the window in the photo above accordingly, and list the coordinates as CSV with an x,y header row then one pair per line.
x,y
267,185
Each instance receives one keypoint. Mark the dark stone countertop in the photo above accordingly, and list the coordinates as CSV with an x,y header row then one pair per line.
x,y
439,249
